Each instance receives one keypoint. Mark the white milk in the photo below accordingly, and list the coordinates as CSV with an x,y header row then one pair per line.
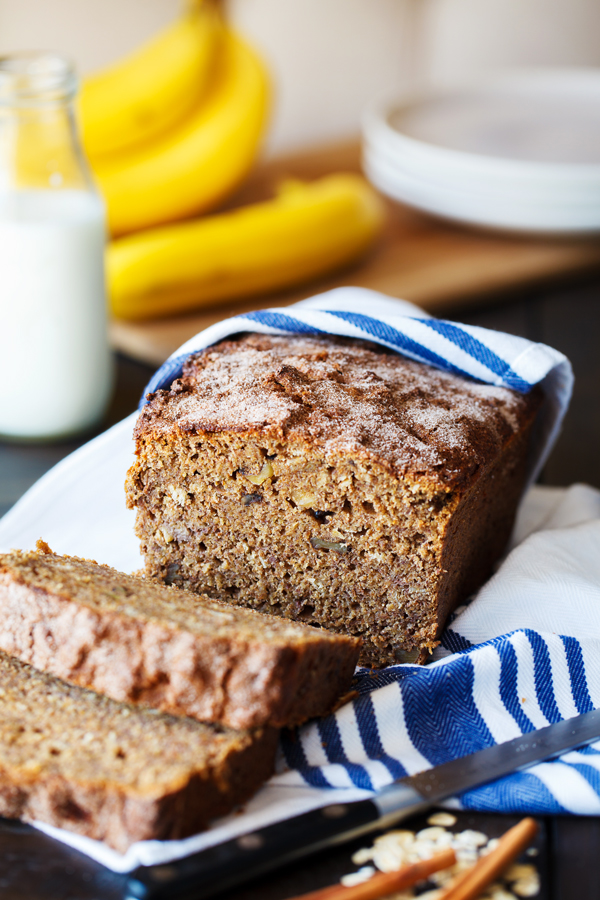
x,y
55,365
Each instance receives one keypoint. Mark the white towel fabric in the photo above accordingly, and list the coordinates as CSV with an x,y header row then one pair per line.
x,y
524,653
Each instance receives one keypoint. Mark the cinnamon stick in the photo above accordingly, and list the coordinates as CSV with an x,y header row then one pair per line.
x,y
469,884
384,883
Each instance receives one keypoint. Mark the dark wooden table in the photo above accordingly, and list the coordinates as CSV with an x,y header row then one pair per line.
x,y
566,316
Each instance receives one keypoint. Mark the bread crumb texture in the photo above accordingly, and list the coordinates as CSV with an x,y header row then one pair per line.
x,y
113,771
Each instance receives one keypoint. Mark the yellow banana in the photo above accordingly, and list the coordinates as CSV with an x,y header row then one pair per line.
x,y
145,94
199,163
306,231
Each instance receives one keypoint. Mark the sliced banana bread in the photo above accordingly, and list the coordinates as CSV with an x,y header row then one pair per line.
x,y
116,772
139,641
331,481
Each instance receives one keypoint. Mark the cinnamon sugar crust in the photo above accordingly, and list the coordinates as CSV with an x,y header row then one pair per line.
x,y
345,396
331,481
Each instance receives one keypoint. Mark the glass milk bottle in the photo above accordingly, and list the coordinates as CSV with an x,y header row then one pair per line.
x,y
55,364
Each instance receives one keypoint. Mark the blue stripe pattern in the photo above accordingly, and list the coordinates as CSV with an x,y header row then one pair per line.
x,y
296,758
281,322
520,793
543,677
331,741
371,738
579,689
443,724
474,352
478,351
383,333
508,687
591,775
436,714
454,642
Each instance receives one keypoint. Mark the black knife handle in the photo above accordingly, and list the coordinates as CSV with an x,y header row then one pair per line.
x,y
210,871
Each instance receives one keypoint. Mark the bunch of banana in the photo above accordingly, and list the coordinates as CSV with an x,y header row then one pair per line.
x,y
175,128
143,95
196,166
307,230
170,133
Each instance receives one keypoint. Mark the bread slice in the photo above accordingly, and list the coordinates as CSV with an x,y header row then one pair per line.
x,y
116,772
142,642
330,481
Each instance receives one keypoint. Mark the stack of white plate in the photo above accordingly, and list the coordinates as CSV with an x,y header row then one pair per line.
x,y
520,152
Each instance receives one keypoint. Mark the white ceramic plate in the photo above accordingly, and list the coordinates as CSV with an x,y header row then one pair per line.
x,y
506,213
520,152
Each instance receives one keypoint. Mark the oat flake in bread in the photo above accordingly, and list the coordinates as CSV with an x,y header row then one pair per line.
x,y
142,642
116,772
330,481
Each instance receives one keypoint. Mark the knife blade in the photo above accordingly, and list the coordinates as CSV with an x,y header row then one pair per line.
x,y
207,873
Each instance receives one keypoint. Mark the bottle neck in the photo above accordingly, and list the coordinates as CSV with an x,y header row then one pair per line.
x,y
39,146
36,80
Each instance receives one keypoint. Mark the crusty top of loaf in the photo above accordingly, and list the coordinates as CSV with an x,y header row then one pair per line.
x,y
345,396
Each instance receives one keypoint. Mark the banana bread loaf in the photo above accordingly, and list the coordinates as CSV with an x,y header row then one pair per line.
x,y
330,481
115,772
139,641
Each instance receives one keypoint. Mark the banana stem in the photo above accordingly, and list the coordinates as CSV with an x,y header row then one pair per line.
x,y
192,6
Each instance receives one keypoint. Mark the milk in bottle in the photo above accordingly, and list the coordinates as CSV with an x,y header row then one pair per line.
x,y
55,365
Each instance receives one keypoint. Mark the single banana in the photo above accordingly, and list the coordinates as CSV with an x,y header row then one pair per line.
x,y
306,231
199,163
145,94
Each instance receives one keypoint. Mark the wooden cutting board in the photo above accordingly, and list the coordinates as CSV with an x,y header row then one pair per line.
x,y
432,263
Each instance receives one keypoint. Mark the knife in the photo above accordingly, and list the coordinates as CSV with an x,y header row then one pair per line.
x,y
216,869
